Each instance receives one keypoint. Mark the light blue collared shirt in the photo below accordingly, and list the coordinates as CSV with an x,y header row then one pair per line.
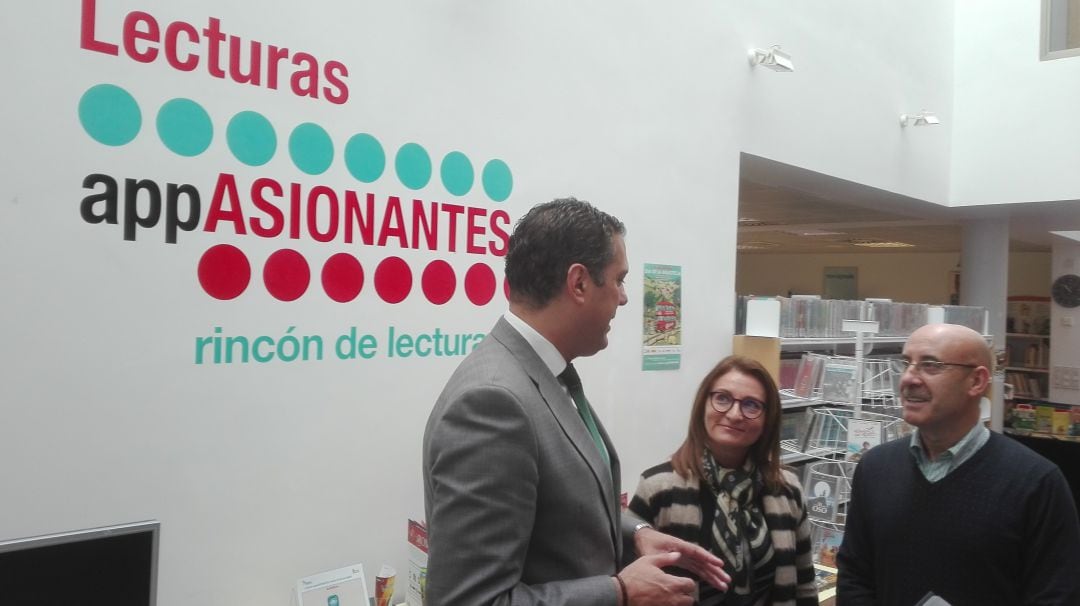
x,y
952,458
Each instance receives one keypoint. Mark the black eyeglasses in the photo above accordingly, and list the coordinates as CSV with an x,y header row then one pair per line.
x,y
722,401
927,368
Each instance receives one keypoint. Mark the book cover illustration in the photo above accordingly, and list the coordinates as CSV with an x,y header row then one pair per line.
x,y
862,436
826,542
821,502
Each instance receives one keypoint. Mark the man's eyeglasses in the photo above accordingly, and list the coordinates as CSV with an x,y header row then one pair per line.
x,y
927,368
722,401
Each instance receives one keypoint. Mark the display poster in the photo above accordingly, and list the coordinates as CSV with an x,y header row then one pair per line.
x,y
662,335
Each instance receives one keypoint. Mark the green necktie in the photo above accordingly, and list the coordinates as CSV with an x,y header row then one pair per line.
x,y
570,378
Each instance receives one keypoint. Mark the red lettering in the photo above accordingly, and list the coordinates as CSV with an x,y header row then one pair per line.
x,y
274,55
294,211
277,218
502,239
430,226
88,39
172,33
366,227
392,224
243,61
225,190
336,92
453,210
318,192
305,81
132,33
214,37
472,230
254,72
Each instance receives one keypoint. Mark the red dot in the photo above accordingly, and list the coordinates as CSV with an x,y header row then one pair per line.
x,y
480,284
438,282
286,275
506,288
224,272
342,277
393,279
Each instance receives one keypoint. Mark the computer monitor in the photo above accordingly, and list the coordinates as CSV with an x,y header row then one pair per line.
x,y
107,566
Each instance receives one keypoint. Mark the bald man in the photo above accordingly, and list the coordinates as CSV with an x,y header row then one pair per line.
x,y
956,510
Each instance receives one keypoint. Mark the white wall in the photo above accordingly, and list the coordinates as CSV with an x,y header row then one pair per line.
x,y
263,473
1014,118
858,66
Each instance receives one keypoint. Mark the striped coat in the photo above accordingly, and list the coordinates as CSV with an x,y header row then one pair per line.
x,y
684,508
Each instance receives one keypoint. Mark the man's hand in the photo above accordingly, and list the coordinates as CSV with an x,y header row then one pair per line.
x,y
696,559
646,583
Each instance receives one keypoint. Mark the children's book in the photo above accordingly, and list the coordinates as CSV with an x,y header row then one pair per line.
x,y
862,435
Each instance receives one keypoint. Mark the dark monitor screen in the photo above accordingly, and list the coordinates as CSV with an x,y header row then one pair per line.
x,y
109,566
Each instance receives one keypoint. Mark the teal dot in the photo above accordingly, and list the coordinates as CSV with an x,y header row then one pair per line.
x,y
311,149
457,173
184,127
251,138
365,158
413,166
109,114
498,182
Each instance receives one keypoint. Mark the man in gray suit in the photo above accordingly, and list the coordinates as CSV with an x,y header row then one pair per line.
x,y
521,483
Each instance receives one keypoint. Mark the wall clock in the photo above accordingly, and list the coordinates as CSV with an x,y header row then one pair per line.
x,y
1066,290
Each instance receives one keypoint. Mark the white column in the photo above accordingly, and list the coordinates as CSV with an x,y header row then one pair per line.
x,y
984,281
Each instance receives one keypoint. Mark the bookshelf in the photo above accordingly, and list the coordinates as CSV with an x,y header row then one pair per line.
x,y
1027,365
1027,347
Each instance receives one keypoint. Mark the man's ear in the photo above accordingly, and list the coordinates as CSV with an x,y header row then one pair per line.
x,y
577,281
982,381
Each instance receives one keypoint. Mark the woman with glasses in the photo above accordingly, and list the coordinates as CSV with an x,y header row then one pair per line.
x,y
725,490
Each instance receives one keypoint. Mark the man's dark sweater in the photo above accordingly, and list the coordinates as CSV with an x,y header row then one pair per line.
x,y
999,529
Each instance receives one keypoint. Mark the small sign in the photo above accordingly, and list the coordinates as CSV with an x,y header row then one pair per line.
x,y
341,587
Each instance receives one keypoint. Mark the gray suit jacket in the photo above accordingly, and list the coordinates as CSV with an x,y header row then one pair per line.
x,y
520,506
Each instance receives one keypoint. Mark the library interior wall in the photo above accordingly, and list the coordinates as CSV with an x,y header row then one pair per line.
x,y
264,473
907,277
1004,95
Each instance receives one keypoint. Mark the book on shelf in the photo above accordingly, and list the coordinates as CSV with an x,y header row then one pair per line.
x,y
808,377
824,577
1044,419
789,370
839,383
809,420
793,424
822,499
825,543
863,434
1028,315
1060,422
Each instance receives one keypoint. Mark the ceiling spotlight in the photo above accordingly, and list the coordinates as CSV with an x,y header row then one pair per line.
x,y
774,59
922,118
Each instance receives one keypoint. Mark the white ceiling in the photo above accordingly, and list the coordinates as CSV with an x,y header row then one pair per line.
x,y
789,202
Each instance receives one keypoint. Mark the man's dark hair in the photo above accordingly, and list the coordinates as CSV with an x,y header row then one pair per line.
x,y
549,239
